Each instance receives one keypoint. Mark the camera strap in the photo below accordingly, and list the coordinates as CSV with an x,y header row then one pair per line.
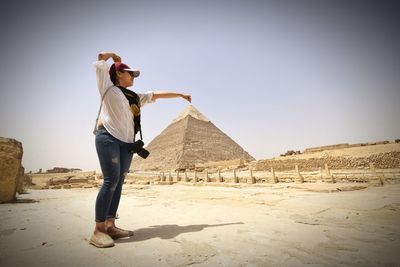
x,y
141,137
101,105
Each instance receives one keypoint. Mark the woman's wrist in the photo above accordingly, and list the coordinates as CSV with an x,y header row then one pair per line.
x,y
106,55
115,57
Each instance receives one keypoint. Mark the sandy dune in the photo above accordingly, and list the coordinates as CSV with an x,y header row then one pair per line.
x,y
179,225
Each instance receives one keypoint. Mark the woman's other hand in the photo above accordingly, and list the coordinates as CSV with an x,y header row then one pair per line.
x,y
106,55
116,58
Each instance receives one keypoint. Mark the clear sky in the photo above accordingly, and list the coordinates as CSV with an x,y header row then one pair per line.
x,y
273,75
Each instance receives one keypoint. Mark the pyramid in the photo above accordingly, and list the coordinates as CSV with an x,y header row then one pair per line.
x,y
189,140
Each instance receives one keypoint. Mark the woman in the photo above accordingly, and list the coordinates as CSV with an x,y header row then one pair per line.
x,y
116,128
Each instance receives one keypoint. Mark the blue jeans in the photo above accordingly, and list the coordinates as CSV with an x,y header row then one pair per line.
x,y
115,160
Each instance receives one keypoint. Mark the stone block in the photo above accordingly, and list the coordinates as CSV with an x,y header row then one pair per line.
x,y
76,180
58,181
10,168
55,187
20,181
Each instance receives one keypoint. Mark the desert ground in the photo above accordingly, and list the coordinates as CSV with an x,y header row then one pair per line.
x,y
284,224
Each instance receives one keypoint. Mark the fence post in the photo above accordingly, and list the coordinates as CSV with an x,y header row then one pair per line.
x,y
274,180
300,178
329,176
186,178
252,178
169,177
177,176
321,176
219,176
236,180
207,178
195,176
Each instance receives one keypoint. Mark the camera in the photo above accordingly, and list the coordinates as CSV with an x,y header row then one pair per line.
x,y
137,148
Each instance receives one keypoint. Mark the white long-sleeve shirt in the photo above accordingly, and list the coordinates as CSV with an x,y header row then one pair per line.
x,y
116,115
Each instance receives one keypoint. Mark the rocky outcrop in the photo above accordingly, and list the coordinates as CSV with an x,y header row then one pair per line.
x,y
11,170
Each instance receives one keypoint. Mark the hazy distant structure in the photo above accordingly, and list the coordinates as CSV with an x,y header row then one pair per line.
x,y
190,139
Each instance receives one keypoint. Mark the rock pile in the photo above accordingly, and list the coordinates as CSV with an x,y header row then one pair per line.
x,y
291,152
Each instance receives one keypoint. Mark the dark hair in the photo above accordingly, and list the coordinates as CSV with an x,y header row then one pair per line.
x,y
113,73
114,77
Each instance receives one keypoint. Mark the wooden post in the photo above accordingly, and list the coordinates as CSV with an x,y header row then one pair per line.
x,y
252,178
186,178
162,177
300,178
195,176
235,179
169,177
219,176
177,176
329,176
274,180
207,178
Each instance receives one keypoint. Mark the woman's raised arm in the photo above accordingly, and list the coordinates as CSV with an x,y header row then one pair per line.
x,y
106,55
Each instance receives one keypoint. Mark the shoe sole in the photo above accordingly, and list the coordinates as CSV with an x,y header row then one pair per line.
x,y
121,235
94,243
118,236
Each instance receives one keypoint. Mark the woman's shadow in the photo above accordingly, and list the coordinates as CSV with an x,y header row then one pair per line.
x,y
167,231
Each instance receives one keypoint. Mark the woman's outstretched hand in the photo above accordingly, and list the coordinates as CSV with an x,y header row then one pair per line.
x,y
187,97
164,94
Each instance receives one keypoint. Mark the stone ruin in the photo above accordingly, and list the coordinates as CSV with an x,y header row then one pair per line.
x,y
346,145
66,180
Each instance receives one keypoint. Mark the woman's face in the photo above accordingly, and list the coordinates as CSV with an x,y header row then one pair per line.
x,y
125,79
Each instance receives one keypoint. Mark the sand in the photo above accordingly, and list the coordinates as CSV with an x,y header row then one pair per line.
x,y
180,225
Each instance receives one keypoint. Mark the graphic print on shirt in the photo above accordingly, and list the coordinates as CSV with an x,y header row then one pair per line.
x,y
135,110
